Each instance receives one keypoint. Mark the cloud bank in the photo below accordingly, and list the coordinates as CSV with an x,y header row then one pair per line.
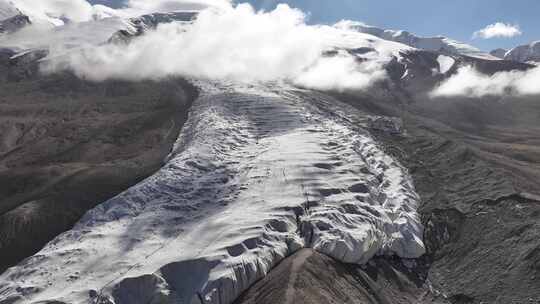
x,y
498,30
233,43
468,82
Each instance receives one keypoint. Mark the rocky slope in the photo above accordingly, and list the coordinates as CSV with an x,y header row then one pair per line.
x,y
475,166
66,145
310,277
11,18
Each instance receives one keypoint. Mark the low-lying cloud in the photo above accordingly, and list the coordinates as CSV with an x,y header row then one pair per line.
x,y
469,82
498,30
232,43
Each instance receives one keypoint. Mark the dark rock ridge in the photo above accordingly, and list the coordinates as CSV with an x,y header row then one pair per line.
x,y
14,24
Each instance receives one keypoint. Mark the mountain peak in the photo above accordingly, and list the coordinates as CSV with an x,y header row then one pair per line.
x,y
437,43
525,53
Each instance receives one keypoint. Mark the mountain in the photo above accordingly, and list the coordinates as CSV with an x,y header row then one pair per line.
x,y
525,53
11,19
437,44
140,25
217,191
499,53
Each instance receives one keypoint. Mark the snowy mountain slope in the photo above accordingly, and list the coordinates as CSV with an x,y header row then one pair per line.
x,y
438,44
525,53
254,176
45,30
60,39
7,10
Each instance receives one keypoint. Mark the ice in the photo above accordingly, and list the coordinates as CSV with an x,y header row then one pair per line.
x,y
256,174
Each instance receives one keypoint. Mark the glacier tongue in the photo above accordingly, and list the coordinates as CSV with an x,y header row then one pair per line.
x,y
256,174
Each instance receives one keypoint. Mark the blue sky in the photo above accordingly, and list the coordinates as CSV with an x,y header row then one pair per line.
x,y
457,19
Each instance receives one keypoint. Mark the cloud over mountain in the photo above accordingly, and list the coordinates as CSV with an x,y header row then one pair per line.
x,y
232,43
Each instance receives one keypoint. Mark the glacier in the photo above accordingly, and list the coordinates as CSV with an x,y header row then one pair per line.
x,y
258,172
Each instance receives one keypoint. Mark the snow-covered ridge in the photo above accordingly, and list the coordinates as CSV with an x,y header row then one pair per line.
x,y
525,53
438,44
254,176
7,10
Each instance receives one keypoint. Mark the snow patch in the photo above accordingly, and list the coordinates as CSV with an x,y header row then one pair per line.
x,y
445,63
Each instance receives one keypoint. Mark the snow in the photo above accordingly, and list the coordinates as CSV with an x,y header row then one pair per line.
x,y
352,37
525,53
256,174
63,38
437,44
7,10
445,63
405,74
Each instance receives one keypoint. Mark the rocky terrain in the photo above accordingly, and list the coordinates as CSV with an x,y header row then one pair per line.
x,y
66,145
191,190
475,166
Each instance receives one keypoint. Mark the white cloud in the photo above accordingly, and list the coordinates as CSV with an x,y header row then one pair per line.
x,y
233,43
498,30
469,82
55,11
341,73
